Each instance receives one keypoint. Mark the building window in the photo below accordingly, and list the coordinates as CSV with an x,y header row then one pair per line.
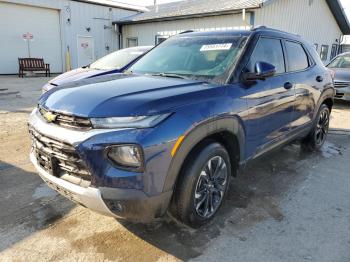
x,y
334,50
316,47
324,52
344,48
160,39
131,42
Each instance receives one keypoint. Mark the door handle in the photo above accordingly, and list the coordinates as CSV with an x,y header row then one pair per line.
x,y
288,85
319,78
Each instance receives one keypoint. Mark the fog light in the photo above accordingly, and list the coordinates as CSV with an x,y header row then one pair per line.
x,y
114,206
129,156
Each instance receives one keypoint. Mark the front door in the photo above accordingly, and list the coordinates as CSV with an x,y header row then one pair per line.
x,y
270,101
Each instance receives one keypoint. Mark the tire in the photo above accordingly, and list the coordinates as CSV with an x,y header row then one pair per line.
x,y
316,138
200,186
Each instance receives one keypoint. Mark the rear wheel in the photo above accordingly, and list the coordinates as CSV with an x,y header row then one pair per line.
x,y
318,135
203,184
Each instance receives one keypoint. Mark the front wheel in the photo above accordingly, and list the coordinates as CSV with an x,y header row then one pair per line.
x,y
203,184
317,136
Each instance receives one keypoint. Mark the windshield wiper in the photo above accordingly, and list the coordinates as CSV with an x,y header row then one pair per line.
x,y
169,75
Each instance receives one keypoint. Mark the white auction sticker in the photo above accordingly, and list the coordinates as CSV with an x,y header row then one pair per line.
x,y
213,47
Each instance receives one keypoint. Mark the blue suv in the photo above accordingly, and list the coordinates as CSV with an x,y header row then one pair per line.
x,y
168,134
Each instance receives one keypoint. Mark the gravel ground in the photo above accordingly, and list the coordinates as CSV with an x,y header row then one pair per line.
x,y
287,206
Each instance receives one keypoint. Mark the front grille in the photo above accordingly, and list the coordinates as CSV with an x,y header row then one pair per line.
x,y
60,159
68,121
340,84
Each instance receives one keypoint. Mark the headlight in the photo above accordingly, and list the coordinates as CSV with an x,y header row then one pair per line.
x,y
128,122
127,156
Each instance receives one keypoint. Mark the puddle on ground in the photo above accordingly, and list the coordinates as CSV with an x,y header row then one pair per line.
x,y
329,150
43,191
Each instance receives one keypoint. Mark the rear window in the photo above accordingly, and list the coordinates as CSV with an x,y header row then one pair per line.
x,y
297,58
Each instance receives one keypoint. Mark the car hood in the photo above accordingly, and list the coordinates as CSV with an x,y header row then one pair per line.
x,y
125,95
341,74
77,74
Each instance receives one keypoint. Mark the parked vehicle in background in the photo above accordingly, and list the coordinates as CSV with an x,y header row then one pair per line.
x,y
170,132
340,65
112,63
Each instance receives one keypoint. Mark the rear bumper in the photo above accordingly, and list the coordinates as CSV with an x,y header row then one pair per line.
x,y
131,204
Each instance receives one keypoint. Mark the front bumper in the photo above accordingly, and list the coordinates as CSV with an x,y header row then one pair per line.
x,y
121,203
88,197
343,93
105,195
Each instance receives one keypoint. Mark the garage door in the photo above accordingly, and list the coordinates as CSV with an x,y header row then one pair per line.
x,y
42,23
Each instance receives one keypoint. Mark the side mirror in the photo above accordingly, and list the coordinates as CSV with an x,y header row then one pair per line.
x,y
263,70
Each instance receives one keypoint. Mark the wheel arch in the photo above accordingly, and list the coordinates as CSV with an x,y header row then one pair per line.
x,y
328,102
327,98
227,131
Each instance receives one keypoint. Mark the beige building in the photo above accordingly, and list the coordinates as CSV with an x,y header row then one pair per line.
x,y
322,22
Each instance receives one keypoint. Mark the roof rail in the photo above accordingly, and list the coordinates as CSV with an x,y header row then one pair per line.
x,y
259,27
185,32
262,27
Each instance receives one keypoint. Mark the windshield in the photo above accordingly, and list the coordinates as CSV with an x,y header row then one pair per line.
x,y
340,62
118,59
193,57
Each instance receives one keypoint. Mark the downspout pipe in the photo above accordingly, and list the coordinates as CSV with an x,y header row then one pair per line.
x,y
120,36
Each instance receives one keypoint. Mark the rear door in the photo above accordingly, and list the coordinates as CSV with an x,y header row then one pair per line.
x,y
300,72
271,100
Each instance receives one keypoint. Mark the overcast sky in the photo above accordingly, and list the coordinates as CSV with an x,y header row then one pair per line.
x,y
346,3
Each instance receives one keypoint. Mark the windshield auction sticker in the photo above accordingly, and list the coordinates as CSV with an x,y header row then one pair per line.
x,y
216,47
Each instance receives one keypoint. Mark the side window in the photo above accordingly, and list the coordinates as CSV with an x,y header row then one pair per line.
x,y
270,51
297,58
131,42
161,38
324,52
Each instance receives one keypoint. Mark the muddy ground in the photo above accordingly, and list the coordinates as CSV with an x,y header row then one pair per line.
x,y
287,206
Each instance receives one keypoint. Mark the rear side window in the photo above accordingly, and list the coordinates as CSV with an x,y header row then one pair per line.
x,y
297,58
270,51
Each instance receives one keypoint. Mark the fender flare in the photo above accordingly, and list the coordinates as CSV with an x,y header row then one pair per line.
x,y
328,93
201,131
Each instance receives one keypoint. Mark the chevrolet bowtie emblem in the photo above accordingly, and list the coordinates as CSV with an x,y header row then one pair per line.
x,y
50,117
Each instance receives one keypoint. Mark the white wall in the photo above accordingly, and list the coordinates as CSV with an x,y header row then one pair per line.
x,y
146,32
314,21
45,29
82,16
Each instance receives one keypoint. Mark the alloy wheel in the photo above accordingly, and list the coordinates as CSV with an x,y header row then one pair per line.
x,y
322,127
211,186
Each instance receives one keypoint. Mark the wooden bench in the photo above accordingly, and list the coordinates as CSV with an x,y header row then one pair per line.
x,y
32,65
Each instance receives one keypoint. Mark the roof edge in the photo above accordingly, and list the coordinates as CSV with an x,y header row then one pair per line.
x,y
172,18
115,4
338,12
